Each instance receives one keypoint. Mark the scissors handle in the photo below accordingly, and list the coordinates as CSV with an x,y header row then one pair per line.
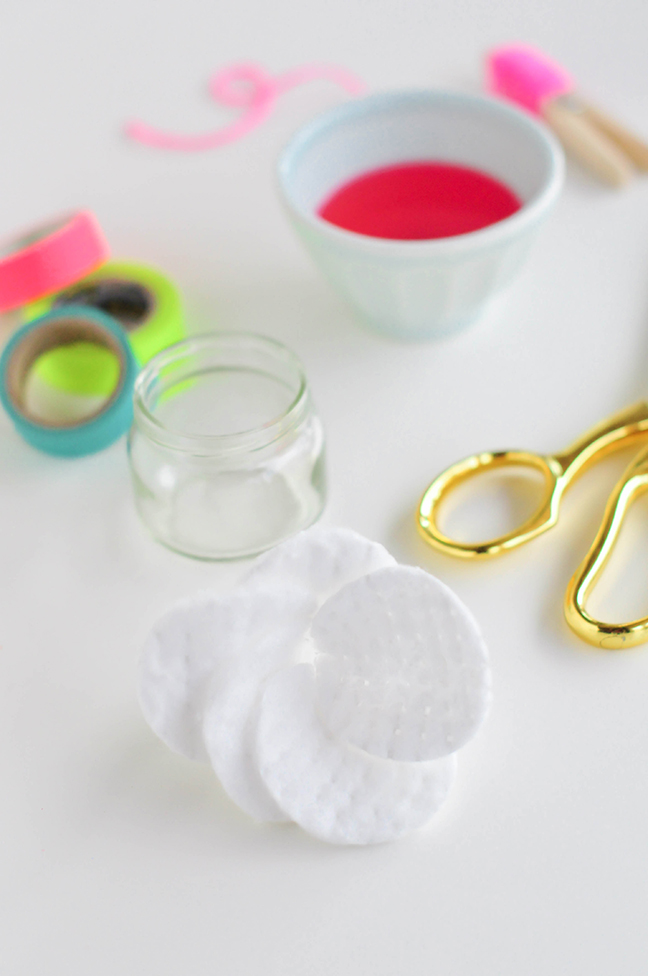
x,y
633,482
558,472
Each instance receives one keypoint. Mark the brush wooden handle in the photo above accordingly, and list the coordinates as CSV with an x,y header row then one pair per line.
x,y
627,141
595,150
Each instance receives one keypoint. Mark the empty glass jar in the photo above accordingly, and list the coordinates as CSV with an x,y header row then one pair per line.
x,y
226,450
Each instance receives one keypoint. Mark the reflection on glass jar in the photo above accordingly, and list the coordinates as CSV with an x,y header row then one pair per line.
x,y
226,450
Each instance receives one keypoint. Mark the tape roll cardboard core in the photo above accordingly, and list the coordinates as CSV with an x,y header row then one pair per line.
x,y
127,301
54,335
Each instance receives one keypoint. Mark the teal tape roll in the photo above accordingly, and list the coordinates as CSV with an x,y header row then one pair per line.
x,y
145,303
67,326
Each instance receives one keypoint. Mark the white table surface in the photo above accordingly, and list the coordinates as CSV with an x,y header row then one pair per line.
x,y
118,857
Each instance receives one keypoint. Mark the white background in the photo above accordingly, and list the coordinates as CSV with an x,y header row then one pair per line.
x,y
118,857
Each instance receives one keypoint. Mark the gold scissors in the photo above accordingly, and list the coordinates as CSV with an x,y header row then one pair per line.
x,y
559,471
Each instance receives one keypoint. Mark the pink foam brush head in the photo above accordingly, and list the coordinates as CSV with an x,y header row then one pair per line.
x,y
526,76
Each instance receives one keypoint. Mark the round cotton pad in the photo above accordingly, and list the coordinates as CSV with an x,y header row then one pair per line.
x,y
322,560
401,668
194,639
230,717
337,792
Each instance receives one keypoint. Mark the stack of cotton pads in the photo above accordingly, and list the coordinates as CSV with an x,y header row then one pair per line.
x,y
332,688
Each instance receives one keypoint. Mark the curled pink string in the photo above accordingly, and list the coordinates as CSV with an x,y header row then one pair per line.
x,y
249,87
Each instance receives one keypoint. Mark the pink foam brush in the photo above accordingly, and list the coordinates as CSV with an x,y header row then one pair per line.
x,y
528,77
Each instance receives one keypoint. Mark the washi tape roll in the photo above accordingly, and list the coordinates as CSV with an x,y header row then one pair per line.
x,y
48,258
58,329
145,303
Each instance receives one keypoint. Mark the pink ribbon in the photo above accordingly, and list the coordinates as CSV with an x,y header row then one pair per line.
x,y
249,87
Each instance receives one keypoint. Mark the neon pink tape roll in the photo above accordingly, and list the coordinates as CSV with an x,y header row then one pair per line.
x,y
49,258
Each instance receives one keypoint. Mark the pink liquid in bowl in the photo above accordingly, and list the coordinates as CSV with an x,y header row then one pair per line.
x,y
419,201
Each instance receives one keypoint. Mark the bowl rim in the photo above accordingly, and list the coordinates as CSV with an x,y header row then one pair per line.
x,y
443,247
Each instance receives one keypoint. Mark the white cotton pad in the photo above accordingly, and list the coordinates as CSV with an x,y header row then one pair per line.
x,y
334,791
182,655
230,718
322,560
401,668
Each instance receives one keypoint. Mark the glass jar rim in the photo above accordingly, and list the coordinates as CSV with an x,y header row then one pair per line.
x,y
230,443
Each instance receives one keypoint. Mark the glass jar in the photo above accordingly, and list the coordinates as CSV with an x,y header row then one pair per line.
x,y
226,451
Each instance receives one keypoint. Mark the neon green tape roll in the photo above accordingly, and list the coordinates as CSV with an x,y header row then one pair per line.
x,y
145,303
